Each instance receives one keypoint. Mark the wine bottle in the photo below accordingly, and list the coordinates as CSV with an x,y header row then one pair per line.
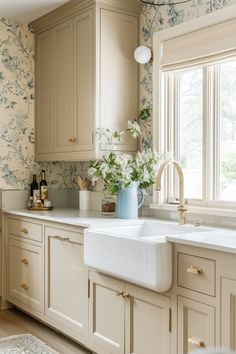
x,y
43,187
34,189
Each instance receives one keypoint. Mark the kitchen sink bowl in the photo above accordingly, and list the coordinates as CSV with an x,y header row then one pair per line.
x,y
137,253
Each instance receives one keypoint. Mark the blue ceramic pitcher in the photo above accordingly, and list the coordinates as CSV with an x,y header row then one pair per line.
x,y
127,201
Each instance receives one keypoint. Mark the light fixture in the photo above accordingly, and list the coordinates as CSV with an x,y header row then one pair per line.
x,y
142,54
163,2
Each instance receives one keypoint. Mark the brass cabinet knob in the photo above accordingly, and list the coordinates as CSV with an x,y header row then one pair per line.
x,y
125,295
25,261
119,293
71,140
74,140
24,286
24,231
196,342
194,270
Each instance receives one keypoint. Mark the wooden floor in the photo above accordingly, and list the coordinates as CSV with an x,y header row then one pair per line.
x,y
14,322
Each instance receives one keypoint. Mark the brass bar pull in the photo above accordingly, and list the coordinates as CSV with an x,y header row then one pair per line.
x,y
125,295
119,293
61,238
194,270
24,286
25,261
197,342
24,231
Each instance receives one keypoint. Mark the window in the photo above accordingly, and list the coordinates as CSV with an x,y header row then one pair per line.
x,y
203,140
194,97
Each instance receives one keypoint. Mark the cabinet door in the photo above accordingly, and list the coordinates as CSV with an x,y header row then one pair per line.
x,y
196,325
63,113
44,113
84,81
147,322
25,274
106,317
228,313
67,282
119,38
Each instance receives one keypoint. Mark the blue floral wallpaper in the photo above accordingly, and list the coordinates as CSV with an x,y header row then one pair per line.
x,y
154,18
17,115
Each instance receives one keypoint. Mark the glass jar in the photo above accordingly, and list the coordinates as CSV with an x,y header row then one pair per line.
x,y
108,205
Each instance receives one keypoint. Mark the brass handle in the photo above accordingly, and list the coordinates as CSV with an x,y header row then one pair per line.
x,y
194,270
61,238
25,261
119,293
73,140
24,286
197,342
70,140
125,295
24,231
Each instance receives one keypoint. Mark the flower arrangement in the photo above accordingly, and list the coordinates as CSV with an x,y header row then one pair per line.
x,y
118,171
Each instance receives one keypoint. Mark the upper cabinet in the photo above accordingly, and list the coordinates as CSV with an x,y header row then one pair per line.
x,y
86,77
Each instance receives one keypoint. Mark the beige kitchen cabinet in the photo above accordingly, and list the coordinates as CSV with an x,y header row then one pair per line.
x,y
196,325
228,313
25,274
66,279
86,77
127,319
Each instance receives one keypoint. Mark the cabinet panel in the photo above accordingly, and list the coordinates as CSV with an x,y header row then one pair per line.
x,y
24,228
84,81
25,274
44,141
106,327
119,38
147,322
196,325
67,284
63,87
228,313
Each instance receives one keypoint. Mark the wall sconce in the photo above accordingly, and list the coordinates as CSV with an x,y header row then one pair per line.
x,y
142,54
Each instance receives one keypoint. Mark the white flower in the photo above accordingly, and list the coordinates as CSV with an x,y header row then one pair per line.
x,y
134,129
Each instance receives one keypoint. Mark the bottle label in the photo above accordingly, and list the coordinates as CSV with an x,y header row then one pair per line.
x,y
44,192
36,196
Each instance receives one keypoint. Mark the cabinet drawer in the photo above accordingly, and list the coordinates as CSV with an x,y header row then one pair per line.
x,y
23,228
196,273
26,274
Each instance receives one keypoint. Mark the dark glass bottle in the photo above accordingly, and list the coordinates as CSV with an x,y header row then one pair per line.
x,y
34,186
43,187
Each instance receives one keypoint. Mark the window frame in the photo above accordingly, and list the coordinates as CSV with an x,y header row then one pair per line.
x,y
165,140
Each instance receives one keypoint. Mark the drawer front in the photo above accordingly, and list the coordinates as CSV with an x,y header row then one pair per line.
x,y
24,228
26,274
196,273
65,235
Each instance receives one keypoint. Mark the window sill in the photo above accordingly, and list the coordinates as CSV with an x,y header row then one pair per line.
x,y
197,210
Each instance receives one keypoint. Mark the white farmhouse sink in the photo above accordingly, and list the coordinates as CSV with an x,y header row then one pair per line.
x,y
138,253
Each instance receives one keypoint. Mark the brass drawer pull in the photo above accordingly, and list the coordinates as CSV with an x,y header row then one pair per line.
x,y
24,286
24,231
194,270
197,342
125,295
61,238
25,261
119,293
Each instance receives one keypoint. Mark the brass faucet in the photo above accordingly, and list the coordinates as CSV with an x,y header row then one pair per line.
x,y
182,207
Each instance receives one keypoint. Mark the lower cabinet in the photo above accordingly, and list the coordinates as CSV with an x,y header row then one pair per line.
x,y
196,325
66,279
26,274
228,313
127,319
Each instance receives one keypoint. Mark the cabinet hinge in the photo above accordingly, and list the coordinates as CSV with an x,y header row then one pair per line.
x,y
88,288
170,320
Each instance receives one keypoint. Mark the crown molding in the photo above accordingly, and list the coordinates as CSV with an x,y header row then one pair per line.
x,y
71,8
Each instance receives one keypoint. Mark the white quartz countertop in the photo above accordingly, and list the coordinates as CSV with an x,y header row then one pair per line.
x,y
212,238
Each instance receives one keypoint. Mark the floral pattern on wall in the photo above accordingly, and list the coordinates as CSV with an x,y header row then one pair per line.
x,y
17,115
154,18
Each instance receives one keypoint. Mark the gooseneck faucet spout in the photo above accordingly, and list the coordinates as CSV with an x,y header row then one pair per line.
x,y
182,207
